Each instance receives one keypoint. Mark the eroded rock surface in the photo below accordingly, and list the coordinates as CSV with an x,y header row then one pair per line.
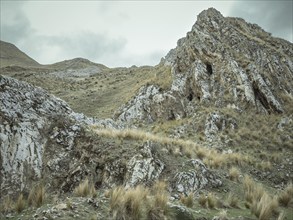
x,y
222,62
195,176
24,114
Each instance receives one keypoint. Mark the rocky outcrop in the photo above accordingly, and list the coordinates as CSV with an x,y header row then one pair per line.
x,y
222,62
195,176
24,114
151,103
145,167
39,136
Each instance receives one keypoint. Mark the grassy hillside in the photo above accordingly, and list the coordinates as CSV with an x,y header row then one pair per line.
x,y
100,94
10,55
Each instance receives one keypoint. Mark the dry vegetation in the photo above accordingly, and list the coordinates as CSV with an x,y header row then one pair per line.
x,y
261,204
85,188
211,157
20,204
188,201
139,203
286,195
37,196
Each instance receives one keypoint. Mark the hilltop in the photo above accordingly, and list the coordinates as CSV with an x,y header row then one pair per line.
x,y
205,134
11,55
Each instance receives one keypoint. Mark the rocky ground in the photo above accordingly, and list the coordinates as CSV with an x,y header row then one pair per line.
x,y
205,134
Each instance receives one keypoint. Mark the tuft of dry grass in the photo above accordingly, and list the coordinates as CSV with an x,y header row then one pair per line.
x,y
265,166
286,196
20,204
133,202
159,187
261,204
265,207
188,201
223,215
37,196
234,174
252,190
139,202
212,201
85,189
232,201
202,200
6,205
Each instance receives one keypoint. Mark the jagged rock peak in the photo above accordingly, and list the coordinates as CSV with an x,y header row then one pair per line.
x,y
209,15
222,62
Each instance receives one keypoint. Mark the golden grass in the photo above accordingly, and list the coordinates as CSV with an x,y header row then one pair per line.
x,y
265,166
37,196
139,202
188,201
159,187
252,190
85,189
234,174
212,201
261,204
20,204
202,200
286,196
212,158
265,207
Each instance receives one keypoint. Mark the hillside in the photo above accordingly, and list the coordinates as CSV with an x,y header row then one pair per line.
x,y
10,55
205,134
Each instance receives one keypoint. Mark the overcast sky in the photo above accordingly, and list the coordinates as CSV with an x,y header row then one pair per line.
x,y
122,33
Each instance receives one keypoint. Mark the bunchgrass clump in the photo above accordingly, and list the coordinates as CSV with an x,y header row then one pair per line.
x,y
261,204
286,196
37,196
139,202
264,208
212,201
85,189
234,174
202,200
20,204
232,201
188,201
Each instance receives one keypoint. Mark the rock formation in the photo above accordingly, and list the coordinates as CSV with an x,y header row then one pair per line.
x,y
222,62
223,73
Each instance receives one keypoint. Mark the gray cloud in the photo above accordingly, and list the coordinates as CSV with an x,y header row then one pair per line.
x,y
14,24
273,16
120,33
17,29
93,46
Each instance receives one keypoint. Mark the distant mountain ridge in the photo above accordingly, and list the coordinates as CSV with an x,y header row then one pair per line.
x,y
10,55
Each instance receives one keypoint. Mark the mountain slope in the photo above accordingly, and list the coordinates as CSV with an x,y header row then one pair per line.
x,y
224,63
207,129
10,55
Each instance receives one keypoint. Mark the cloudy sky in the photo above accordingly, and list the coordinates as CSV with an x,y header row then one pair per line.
x,y
122,33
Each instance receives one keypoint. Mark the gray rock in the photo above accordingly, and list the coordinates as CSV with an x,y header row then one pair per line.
x,y
181,212
222,62
195,178
144,167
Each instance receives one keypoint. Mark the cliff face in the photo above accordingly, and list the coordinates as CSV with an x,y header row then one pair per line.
x,y
222,62
25,114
